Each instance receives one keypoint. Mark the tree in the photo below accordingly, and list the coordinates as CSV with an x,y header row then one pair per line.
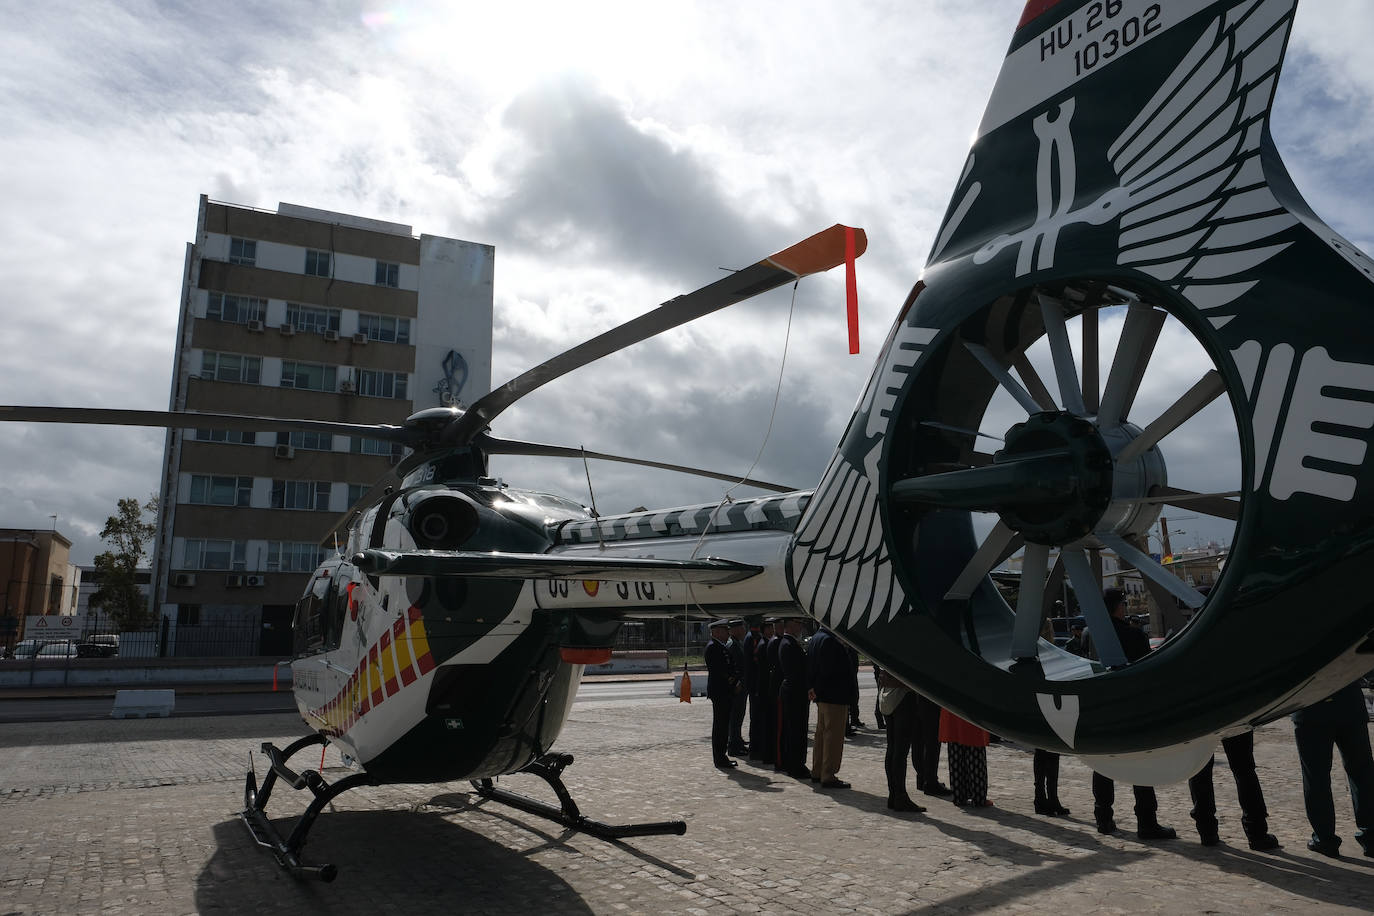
x,y
127,533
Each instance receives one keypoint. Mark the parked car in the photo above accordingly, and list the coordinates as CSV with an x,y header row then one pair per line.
x,y
102,646
27,648
58,648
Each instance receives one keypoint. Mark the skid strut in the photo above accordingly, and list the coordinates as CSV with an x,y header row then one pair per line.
x,y
288,851
550,768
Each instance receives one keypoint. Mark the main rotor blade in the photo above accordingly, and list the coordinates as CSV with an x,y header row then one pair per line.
x,y
493,446
167,419
820,252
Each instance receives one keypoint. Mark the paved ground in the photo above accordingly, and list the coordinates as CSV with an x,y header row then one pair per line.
x,y
139,816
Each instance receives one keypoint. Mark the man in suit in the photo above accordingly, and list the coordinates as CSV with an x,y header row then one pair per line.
x,y
740,659
795,705
1339,722
830,676
1135,645
722,683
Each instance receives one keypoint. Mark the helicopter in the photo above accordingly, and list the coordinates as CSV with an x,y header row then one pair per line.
x,y
1123,189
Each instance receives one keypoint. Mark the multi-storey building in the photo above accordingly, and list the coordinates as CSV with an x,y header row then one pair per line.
x,y
300,313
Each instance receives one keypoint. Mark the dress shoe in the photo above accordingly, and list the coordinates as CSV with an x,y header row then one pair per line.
x,y
1107,826
801,773
834,783
1209,838
1156,832
1050,808
726,764
1267,841
1331,847
904,804
939,790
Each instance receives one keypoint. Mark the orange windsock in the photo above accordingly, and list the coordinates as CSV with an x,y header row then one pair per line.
x,y
684,694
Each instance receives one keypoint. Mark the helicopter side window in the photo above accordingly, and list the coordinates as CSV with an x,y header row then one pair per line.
x,y
335,606
307,626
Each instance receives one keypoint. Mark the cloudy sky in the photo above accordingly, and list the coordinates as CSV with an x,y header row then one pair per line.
x,y
616,154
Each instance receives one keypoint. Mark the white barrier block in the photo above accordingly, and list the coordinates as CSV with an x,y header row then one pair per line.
x,y
142,704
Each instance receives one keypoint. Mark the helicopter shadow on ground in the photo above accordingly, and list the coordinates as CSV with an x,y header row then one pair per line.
x,y
416,858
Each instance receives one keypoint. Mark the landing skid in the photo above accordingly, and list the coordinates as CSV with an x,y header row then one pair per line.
x,y
550,768
288,851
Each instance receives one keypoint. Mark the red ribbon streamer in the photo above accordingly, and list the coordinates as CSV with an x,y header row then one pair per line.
x,y
851,290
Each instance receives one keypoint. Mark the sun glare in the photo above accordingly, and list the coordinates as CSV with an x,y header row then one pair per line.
x,y
509,46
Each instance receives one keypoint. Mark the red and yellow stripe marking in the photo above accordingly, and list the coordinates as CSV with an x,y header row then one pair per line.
x,y
389,665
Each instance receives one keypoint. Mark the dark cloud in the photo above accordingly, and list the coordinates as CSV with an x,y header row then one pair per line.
x,y
587,183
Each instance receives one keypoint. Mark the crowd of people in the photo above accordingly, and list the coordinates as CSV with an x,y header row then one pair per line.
x,y
770,674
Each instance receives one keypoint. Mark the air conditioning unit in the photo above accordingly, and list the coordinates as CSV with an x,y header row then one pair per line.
x,y
331,334
286,330
360,338
286,451
253,581
346,386
255,326
233,581
183,580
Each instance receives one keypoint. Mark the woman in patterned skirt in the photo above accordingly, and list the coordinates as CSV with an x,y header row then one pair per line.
x,y
968,760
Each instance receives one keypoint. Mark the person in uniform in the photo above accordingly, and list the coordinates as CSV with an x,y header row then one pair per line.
x,y
735,646
722,683
774,688
794,703
925,748
753,668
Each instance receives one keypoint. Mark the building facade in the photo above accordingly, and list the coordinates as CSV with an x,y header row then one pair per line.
x,y
299,313
38,581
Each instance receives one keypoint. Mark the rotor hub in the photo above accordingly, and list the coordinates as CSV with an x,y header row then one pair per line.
x,y
1065,482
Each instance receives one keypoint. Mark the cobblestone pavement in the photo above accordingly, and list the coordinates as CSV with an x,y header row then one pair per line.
x,y
139,816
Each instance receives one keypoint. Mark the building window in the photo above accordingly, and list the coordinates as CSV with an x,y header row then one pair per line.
x,y
243,251
309,441
388,274
289,556
54,595
230,367
308,376
214,554
360,446
317,264
213,490
384,328
378,384
235,436
235,309
301,494
188,615
308,319
356,492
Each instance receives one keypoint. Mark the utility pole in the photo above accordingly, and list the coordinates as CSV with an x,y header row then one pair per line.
x,y
1164,537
